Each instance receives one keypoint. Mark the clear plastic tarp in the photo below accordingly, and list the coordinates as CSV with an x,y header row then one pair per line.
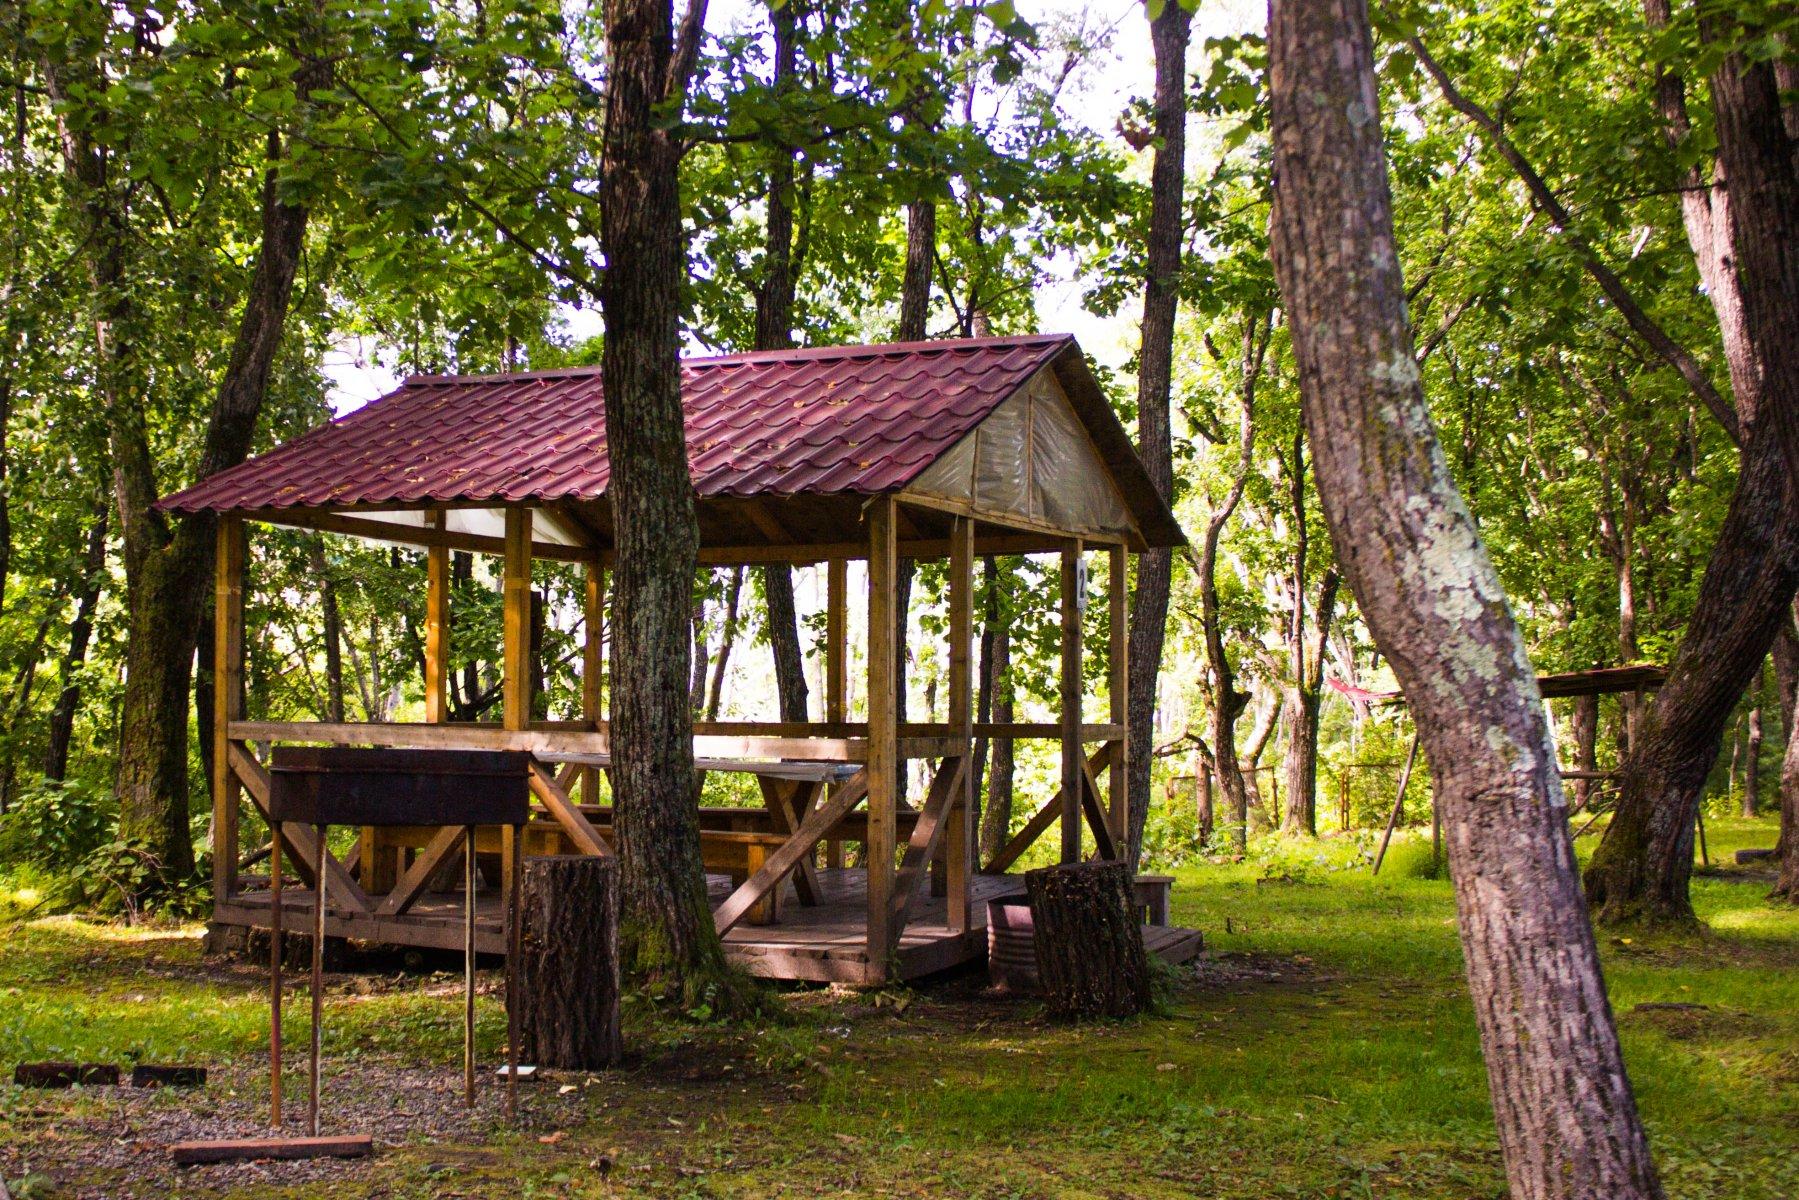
x,y
1031,458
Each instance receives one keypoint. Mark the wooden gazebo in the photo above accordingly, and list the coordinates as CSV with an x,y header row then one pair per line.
x,y
929,450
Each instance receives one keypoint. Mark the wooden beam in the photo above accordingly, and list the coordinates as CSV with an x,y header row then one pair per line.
x,y
300,843
766,521
799,554
1017,523
410,535
552,743
1040,821
778,797
837,640
1105,846
593,668
931,825
738,904
1073,754
884,762
837,586
1118,661
959,836
573,822
516,612
227,699
437,627
417,878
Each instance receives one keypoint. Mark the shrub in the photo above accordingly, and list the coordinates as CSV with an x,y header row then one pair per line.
x,y
56,825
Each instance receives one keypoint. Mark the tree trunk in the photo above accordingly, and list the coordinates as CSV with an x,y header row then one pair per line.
x,y
775,295
1299,713
915,282
334,633
1643,866
1752,764
1566,1116
81,631
784,636
1090,956
996,818
727,638
666,939
1155,374
1586,745
567,973
168,567
1786,679
1756,158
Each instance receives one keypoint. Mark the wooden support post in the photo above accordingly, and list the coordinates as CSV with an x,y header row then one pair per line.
x,y
959,836
516,599
837,586
1118,661
883,730
437,628
227,700
1073,755
593,666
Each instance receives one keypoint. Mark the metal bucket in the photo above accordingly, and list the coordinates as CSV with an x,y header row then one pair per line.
x,y
1011,944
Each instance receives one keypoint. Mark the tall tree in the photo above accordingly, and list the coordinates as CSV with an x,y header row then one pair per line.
x,y
1170,23
81,630
1741,224
775,297
665,927
167,563
1567,1119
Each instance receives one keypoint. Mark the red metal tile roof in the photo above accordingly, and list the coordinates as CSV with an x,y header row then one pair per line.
x,y
852,419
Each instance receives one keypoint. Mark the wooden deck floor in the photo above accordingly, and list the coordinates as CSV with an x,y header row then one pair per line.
x,y
823,943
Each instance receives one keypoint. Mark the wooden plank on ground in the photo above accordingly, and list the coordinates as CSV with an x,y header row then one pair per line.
x,y
354,1145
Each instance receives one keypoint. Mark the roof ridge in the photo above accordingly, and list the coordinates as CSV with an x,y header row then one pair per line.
x,y
744,357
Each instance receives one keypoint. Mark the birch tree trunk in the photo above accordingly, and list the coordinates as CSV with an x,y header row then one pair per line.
x,y
1411,553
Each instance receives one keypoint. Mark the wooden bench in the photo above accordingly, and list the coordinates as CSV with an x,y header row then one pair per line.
x,y
1152,892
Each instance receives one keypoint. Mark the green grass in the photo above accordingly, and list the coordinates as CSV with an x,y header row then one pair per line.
x,y
1337,1058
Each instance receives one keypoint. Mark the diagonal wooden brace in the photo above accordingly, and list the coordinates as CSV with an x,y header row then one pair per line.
x,y
574,822
779,796
412,885
926,832
1046,816
299,841
811,831
1105,848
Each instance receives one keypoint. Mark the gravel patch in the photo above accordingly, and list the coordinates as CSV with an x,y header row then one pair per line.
x,y
112,1143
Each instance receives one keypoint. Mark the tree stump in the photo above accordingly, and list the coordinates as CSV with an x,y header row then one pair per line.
x,y
567,973
1090,956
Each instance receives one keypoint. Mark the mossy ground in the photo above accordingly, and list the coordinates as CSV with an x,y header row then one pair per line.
x,y
1328,1049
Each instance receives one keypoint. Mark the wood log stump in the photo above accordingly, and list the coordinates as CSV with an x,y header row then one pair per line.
x,y
567,973
1090,956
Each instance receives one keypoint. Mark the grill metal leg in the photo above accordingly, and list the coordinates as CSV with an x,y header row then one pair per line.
x,y
468,965
318,979
274,977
